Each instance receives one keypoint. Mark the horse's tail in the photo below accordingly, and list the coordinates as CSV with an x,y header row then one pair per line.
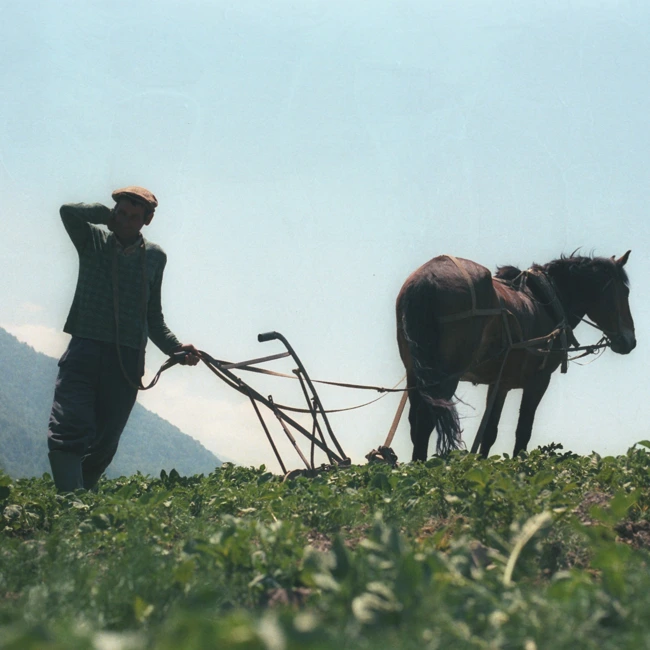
x,y
419,329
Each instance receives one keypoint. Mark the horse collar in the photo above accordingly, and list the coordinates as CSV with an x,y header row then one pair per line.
x,y
541,284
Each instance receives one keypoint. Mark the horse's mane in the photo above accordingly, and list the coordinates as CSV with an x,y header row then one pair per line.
x,y
583,266
591,272
507,273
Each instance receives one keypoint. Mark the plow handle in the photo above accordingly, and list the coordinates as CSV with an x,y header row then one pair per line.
x,y
268,336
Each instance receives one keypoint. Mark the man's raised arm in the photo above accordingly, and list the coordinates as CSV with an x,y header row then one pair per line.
x,y
76,218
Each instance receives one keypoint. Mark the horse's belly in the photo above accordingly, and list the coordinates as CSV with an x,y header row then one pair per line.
x,y
486,361
519,367
486,375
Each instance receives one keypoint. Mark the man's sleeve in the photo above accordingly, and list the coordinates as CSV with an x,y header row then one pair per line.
x,y
77,218
159,333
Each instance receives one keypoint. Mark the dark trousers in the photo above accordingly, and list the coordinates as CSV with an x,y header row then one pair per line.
x,y
92,403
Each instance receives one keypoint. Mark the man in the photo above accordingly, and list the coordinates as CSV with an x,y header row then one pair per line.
x,y
116,308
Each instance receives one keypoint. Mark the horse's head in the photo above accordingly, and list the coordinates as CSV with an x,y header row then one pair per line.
x,y
609,307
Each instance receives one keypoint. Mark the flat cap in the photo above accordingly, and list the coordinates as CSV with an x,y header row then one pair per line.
x,y
136,193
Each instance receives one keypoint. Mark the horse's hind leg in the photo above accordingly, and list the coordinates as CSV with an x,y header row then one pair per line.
x,y
533,393
422,423
424,416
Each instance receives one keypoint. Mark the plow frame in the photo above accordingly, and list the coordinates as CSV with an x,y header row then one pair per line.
x,y
321,435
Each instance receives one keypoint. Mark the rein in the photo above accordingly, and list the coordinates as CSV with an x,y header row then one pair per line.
x,y
248,366
541,345
586,350
216,364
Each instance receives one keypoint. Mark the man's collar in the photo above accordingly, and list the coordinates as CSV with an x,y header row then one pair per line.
x,y
132,248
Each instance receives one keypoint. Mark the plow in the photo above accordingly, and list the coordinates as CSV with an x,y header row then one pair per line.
x,y
305,440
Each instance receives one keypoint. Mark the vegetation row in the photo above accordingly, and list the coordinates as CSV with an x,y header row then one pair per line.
x,y
547,550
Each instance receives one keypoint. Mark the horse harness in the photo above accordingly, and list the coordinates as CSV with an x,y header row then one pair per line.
x,y
541,289
538,283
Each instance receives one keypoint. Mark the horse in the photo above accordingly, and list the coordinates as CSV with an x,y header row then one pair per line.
x,y
456,322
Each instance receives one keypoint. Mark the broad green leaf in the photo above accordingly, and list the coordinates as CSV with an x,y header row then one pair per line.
x,y
142,609
184,572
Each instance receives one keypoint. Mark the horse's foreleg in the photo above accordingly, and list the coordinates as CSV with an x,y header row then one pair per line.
x,y
533,393
490,422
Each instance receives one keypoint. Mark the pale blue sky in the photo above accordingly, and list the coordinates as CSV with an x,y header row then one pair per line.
x,y
307,157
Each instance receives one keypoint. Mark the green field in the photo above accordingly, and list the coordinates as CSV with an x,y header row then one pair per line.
x,y
545,551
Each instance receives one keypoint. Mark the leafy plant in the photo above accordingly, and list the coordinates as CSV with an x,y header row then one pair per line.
x,y
457,552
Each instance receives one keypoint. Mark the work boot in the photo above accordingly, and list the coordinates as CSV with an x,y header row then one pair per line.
x,y
66,471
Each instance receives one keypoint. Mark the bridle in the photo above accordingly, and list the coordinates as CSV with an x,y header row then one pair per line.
x,y
607,335
551,301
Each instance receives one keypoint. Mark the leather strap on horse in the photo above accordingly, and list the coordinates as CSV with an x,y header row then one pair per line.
x,y
563,330
474,311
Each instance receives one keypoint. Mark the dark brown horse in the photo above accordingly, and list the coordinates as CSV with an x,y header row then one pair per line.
x,y
455,322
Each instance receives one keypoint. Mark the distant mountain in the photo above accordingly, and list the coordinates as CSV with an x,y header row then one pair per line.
x,y
148,444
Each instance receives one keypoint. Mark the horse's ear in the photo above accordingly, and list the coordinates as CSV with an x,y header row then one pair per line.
x,y
622,261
